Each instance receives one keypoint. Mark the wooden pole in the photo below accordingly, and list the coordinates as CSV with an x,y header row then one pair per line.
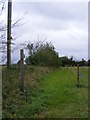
x,y
9,34
78,84
22,70
71,66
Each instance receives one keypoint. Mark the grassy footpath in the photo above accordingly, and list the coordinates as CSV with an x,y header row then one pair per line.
x,y
64,99
47,94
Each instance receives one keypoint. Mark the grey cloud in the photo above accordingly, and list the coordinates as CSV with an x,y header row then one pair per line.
x,y
65,24
56,10
67,11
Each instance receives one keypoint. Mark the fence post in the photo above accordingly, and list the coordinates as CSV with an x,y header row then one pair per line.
x,y
78,84
22,69
71,66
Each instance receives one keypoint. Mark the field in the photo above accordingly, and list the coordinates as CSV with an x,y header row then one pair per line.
x,y
49,93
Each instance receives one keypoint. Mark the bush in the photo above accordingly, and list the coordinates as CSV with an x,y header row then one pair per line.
x,y
42,54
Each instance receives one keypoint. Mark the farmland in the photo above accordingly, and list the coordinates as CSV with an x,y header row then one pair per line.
x,y
49,93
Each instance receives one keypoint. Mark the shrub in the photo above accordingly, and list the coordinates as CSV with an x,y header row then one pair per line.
x,y
42,54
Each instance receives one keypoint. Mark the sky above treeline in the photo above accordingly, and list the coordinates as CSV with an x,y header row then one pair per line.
x,y
65,24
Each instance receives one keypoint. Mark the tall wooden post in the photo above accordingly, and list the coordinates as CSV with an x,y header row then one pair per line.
x,y
9,34
22,69
78,83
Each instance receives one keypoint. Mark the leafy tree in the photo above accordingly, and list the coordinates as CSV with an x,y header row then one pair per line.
x,y
82,62
65,61
43,54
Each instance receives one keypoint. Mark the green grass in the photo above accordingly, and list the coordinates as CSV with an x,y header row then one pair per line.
x,y
64,99
15,103
47,94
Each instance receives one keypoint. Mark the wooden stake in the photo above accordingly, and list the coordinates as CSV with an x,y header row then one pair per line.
x,y
71,66
78,84
22,70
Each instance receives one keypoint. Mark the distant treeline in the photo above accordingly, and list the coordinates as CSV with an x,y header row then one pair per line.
x,y
71,62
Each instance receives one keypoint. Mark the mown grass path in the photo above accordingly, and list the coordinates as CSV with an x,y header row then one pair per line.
x,y
61,95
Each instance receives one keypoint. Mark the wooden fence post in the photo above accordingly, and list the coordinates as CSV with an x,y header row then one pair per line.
x,y
71,66
22,69
78,84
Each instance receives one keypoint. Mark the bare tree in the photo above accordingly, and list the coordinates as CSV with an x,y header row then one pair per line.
x,y
3,29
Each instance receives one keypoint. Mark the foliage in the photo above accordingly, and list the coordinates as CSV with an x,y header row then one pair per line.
x,y
65,61
82,62
71,62
13,99
43,54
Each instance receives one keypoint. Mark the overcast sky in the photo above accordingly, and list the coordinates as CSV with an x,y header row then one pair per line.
x,y
65,24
